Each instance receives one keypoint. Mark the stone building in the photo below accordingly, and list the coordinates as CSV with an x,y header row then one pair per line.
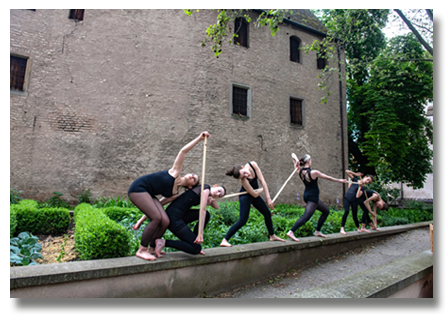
x,y
101,97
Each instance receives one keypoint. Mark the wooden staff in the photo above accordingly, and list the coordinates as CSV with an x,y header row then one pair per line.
x,y
294,158
203,181
240,193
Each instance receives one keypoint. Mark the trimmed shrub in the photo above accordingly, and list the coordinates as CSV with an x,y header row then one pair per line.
x,y
12,220
97,236
40,221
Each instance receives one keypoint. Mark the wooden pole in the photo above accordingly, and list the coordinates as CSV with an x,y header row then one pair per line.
x,y
431,234
294,159
240,193
203,182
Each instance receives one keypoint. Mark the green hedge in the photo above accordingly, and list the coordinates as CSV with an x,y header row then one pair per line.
x,y
40,221
118,214
12,220
97,236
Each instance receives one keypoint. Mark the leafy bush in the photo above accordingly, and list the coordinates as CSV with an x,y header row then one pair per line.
x,y
24,249
97,236
14,197
12,220
40,220
55,201
85,197
122,202
117,214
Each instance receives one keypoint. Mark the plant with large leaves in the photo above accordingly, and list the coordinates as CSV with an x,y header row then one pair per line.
x,y
24,249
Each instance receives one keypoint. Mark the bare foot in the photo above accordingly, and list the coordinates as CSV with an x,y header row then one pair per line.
x,y
319,234
202,252
225,243
152,250
144,254
373,227
275,238
364,230
343,231
160,244
290,234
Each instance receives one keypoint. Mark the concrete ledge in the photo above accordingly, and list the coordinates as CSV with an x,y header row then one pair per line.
x,y
242,264
389,280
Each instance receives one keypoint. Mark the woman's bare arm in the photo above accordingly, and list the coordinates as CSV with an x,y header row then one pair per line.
x,y
202,215
316,173
178,163
264,184
249,189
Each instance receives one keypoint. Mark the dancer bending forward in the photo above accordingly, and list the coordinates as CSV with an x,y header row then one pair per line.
x,y
311,196
249,175
367,197
352,198
144,189
180,215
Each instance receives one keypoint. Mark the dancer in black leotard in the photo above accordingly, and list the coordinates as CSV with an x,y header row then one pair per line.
x,y
311,196
366,198
143,191
180,215
249,175
351,199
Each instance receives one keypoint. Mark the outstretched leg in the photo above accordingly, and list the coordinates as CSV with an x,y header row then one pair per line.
x,y
344,217
261,206
325,212
153,210
309,211
245,201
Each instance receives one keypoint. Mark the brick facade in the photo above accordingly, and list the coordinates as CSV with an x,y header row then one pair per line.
x,y
117,95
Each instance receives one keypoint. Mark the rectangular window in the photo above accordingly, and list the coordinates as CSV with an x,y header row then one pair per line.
x,y
17,74
241,29
296,111
239,101
76,14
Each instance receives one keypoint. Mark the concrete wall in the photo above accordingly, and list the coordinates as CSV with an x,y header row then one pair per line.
x,y
181,275
117,95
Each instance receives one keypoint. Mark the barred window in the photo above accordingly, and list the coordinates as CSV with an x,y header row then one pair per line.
x,y
17,74
241,29
239,101
294,52
296,111
76,14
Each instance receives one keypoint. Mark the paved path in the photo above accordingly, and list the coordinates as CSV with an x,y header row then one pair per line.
x,y
334,268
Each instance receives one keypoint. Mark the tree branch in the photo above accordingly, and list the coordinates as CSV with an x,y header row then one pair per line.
x,y
429,12
416,33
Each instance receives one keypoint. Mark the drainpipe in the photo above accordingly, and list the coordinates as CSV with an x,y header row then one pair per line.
x,y
341,109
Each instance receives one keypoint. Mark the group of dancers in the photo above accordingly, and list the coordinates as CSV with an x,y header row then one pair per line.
x,y
144,190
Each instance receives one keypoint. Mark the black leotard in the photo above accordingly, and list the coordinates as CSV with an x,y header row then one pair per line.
x,y
160,183
311,193
253,182
179,207
352,191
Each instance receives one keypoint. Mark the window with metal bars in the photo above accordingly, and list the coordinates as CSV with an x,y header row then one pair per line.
x,y
241,29
17,74
294,44
296,111
76,14
239,101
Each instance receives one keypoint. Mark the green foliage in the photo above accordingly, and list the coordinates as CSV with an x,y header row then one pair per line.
x,y
55,201
85,197
97,236
40,220
24,249
387,193
119,201
14,197
12,220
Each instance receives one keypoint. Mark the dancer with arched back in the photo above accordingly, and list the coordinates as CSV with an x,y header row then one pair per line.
x,y
311,196
352,197
372,196
143,192
249,175
180,214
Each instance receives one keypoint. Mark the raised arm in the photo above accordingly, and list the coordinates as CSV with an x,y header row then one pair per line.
x,y
352,174
359,192
202,211
178,163
212,202
263,183
316,173
249,188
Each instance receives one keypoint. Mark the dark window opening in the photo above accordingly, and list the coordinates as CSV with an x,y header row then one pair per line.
x,y
17,74
76,14
321,61
239,101
241,29
294,43
296,111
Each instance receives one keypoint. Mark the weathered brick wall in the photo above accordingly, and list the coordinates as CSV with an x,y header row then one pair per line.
x,y
117,95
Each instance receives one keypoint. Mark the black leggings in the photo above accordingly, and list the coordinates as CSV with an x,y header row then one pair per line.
x,y
354,206
365,214
310,208
187,237
245,202
152,208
